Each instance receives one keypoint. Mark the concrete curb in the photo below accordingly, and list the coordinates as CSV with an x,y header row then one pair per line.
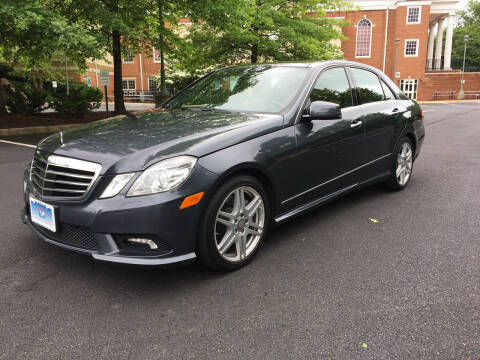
x,y
55,128
448,101
35,130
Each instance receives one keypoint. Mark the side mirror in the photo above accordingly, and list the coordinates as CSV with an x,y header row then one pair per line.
x,y
323,110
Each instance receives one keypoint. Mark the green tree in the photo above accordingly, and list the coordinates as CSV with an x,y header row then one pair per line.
x,y
164,21
33,36
119,26
228,32
469,24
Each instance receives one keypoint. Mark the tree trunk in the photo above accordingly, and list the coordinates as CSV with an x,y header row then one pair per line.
x,y
163,86
161,27
117,73
3,109
254,55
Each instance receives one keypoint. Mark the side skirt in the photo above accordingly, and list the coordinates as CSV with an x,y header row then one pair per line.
x,y
332,196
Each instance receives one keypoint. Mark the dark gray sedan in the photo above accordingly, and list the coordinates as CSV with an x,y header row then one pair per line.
x,y
205,175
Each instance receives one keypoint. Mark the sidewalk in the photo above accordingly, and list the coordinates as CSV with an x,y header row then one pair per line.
x,y
130,106
449,101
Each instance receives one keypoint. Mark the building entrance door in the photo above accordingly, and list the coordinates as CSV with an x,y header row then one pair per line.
x,y
409,87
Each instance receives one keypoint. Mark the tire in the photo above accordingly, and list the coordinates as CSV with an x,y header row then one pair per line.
x,y
403,159
229,237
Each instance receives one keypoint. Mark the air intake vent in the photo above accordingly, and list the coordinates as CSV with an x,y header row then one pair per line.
x,y
62,177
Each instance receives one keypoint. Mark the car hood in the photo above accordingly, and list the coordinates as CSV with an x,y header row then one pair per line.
x,y
134,142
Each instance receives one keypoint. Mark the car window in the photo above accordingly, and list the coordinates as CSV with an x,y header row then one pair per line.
x,y
262,88
388,93
332,86
367,85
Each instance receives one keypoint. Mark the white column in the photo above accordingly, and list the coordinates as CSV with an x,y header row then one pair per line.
x,y
438,45
431,39
447,56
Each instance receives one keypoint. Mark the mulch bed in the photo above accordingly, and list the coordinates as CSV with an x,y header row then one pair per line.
x,y
47,119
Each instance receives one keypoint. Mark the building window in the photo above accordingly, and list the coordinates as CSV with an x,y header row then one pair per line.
x,y
152,83
411,47
156,56
413,14
129,84
128,58
364,38
409,87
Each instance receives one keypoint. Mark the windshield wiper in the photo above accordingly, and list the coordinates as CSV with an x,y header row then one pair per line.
x,y
195,107
203,107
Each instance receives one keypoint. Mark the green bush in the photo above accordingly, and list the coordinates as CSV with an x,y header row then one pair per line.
x,y
81,99
23,98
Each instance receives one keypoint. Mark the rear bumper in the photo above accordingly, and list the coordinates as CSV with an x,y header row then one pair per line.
x,y
113,256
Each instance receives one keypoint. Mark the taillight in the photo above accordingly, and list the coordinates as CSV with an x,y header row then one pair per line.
x,y
421,114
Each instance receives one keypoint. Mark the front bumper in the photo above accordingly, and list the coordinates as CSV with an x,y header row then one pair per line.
x,y
114,256
100,227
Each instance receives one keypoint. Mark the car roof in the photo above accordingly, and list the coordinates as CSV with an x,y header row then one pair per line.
x,y
317,64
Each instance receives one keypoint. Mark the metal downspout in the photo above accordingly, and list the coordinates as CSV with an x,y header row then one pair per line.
x,y
385,45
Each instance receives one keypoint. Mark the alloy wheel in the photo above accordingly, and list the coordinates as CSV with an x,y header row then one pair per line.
x,y
239,223
404,164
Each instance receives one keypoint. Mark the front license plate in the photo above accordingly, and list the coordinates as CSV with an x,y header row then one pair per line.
x,y
42,214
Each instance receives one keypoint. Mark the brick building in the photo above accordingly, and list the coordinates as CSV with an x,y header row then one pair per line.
x,y
138,73
397,37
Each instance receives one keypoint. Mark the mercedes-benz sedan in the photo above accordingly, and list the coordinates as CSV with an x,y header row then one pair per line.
x,y
205,175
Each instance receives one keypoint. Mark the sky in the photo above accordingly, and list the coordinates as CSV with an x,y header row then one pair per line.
x,y
462,5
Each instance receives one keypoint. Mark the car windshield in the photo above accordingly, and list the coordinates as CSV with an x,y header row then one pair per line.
x,y
253,89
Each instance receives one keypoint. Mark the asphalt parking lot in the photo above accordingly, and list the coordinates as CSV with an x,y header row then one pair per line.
x,y
323,284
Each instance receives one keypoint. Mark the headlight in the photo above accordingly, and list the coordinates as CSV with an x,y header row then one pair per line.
x,y
163,176
116,185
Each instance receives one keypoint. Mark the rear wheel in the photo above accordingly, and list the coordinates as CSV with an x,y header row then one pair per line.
x,y
402,165
234,224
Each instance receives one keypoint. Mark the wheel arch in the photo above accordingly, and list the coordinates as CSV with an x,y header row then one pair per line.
x,y
254,170
413,139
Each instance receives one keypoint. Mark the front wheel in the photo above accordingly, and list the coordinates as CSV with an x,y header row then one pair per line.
x,y
402,165
234,224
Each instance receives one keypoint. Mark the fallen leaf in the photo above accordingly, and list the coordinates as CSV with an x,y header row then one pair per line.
x,y
373,220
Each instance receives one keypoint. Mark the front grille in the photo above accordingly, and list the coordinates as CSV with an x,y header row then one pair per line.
x,y
62,177
73,235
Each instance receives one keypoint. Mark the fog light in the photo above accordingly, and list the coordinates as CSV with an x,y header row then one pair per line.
x,y
148,242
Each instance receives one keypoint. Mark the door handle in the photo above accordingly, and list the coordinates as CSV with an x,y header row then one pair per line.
x,y
355,123
395,112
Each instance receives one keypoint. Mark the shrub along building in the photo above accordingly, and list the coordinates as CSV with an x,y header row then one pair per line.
x,y
401,38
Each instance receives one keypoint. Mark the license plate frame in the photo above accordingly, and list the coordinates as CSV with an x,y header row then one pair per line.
x,y
43,214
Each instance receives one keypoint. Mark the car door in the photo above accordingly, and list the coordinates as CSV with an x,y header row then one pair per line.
x,y
380,118
327,150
